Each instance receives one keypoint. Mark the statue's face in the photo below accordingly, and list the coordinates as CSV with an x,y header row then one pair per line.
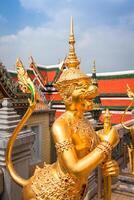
x,y
78,94
83,94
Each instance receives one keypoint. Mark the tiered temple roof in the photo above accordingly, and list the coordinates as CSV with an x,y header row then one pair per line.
x,y
112,90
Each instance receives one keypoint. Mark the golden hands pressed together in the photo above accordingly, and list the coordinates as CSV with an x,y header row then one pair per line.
x,y
79,149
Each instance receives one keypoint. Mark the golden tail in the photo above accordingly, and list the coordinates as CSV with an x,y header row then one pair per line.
x,y
26,86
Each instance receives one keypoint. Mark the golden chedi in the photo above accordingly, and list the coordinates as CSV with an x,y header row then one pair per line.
x,y
79,149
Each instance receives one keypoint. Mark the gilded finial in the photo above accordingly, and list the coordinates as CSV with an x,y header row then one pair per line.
x,y
94,67
107,121
107,115
94,79
72,60
72,27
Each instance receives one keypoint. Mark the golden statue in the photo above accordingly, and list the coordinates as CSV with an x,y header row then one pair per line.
x,y
79,149
107,173
131,146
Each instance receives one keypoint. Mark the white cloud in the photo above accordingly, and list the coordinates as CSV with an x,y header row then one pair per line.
x,y
34,4
112,48
46,43
49,7
52,8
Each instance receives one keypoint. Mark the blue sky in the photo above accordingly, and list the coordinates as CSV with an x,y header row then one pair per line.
x,y
104,31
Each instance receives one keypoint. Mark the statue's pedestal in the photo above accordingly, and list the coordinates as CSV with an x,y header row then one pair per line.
x,y
126,183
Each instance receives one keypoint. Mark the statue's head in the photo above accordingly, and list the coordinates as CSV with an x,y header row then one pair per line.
x,y
74,86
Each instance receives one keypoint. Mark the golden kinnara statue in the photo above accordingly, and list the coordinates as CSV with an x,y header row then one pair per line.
x,y
79,149
130,147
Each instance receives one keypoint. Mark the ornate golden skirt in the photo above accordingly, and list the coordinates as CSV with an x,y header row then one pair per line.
x,y
48,187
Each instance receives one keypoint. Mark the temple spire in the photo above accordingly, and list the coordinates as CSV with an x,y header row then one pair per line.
x,y
93,77
72,60
94,67
72,27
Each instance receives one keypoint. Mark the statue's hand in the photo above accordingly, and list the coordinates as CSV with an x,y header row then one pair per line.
x,y
110,168
111,137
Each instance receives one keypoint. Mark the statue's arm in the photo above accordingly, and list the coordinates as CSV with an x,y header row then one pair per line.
x,y
66,150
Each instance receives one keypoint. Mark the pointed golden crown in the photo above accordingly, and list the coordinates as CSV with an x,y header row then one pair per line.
x,y
72,60
72,63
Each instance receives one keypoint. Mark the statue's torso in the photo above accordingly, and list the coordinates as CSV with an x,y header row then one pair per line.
x,y
84,137
54,182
